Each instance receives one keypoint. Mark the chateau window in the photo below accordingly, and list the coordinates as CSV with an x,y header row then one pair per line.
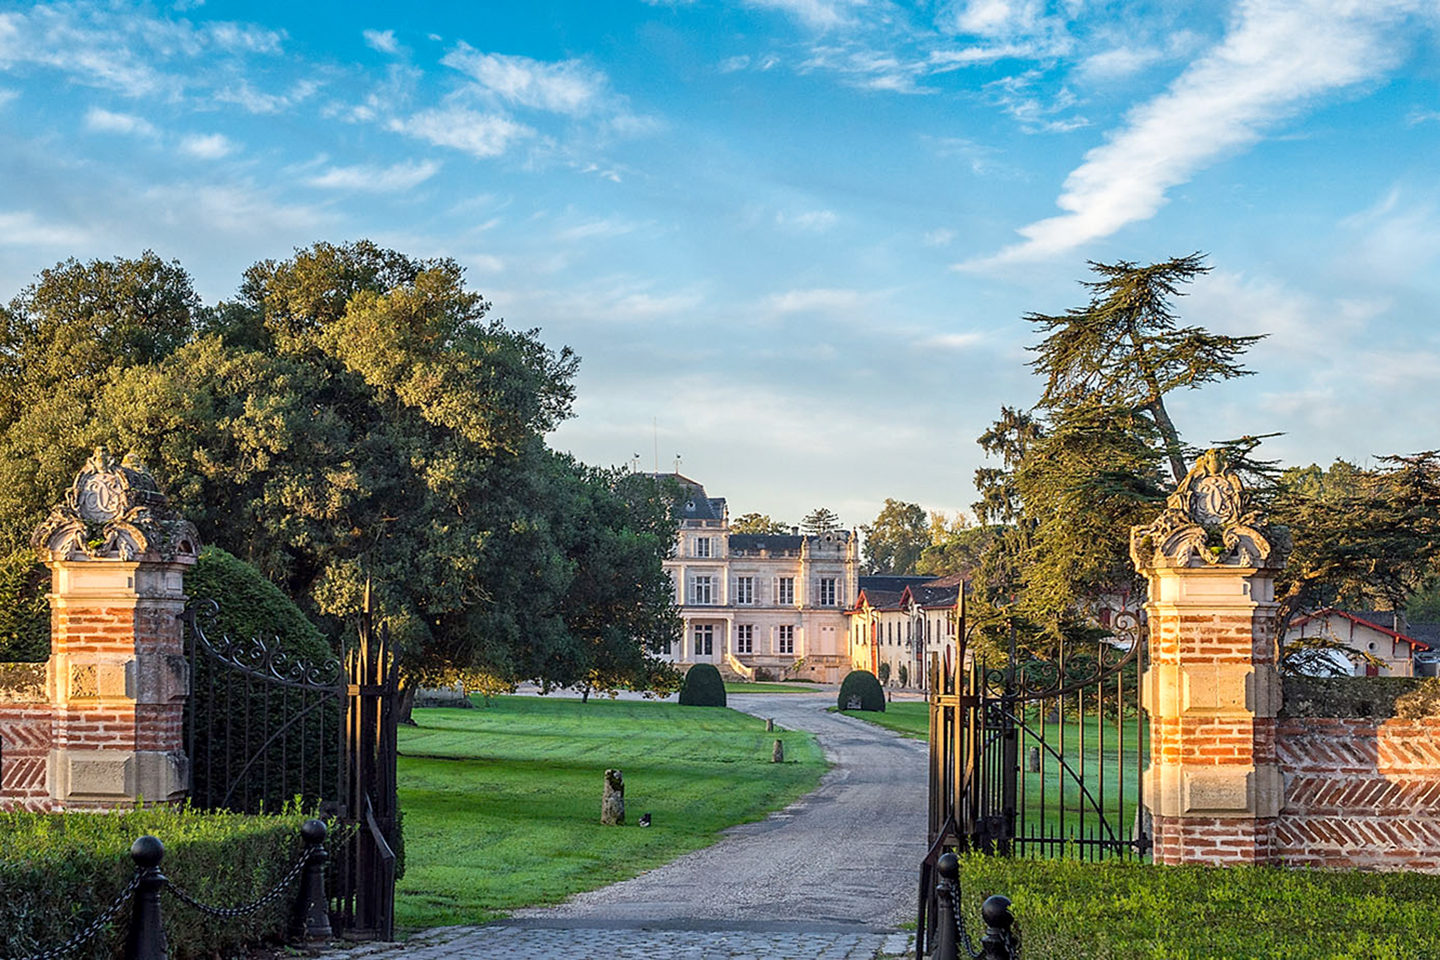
x,y
787,591
744,589
702,546
744,638
704,639
827,592
704,591
785,641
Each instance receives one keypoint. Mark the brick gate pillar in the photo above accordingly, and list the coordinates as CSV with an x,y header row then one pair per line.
x,y
1212,686
117,677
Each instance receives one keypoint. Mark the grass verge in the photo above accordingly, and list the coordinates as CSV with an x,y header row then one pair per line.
x,y
766,687
1072,910
909,718
502,804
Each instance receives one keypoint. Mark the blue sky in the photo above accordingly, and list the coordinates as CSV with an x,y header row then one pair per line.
x,y
792,240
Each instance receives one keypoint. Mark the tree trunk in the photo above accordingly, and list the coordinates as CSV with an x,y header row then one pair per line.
x,y
405,705
585,693
1170,438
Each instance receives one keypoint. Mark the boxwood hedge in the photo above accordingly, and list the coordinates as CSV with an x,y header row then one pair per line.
x,y
59,871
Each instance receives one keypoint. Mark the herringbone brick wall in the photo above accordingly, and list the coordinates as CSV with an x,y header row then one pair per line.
x,y
25,737
1360,792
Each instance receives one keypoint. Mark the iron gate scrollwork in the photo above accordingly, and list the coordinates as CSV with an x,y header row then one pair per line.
x,y
264,728
1041,757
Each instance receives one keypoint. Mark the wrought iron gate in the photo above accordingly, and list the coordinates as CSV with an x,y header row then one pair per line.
x,y
1039,758
275,729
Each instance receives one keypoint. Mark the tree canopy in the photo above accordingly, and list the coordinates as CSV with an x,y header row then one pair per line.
x,y
820,520
758,523
353,414
896,539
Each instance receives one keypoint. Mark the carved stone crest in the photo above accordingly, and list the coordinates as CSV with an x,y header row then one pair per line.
x,y
115,511
1208,520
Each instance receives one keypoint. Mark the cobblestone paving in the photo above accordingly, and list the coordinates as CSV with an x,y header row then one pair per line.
x,y
524,941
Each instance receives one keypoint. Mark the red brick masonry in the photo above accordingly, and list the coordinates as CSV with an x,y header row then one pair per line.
x,y
1359,792
25,738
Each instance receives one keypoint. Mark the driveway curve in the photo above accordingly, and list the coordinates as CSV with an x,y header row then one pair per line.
x,y
846,853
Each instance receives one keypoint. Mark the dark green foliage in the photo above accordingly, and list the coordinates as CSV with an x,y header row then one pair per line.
x,y
234,716
820,520
703,687
884,675
1378,697
866,686
904,675
58,871
251,606
24,612
896,538
758,523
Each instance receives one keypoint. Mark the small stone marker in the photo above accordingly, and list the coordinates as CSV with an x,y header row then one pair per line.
x,y
853,703
778,754
770,725
1034,759
612,803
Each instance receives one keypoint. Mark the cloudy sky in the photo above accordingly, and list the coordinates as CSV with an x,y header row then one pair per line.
x,y
792,240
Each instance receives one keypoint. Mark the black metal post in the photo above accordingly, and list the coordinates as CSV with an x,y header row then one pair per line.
x,y
999,943
947,939
311,920
147,929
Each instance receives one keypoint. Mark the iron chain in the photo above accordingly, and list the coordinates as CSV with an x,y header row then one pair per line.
x,y
229,913
94,926
966,944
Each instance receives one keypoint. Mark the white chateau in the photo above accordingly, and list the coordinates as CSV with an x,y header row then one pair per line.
x,y
761,604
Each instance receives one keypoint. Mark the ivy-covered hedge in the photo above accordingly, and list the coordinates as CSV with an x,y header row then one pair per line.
x,y
24,611
59,871
1378,697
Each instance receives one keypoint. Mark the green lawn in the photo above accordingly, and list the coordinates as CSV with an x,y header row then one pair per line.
x,y
1051,800
502,804
764,687
909,718
1070,910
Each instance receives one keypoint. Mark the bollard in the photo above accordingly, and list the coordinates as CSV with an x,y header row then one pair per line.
x,y
770,725
147,930
947,941
1034,759
311,920
777,755
999,942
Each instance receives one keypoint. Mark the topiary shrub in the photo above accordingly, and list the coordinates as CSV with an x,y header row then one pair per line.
x,y
885,672
904,675
864,686
24,611
234,715
703,687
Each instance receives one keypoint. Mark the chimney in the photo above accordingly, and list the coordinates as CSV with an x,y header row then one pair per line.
x,y
794,531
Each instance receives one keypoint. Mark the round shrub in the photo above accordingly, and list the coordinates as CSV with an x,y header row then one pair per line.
x,y
703,687
862,685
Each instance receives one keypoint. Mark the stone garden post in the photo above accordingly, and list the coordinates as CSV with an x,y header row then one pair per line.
x,y
117,677
1212,687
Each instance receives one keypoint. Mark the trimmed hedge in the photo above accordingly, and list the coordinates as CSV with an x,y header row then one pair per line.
x,y
862,684
59,871
250,606
703,687
24,611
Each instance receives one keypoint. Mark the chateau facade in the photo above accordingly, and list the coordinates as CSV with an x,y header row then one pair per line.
x,y
761,604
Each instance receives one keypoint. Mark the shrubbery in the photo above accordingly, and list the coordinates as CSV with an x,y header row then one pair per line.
x,y
59,871
252,607
864,686
703,687
24,612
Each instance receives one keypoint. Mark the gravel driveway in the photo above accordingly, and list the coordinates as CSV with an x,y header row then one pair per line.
x,y
848,853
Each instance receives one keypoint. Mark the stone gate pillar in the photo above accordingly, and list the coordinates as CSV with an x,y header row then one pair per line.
x,y
117,677
1212,686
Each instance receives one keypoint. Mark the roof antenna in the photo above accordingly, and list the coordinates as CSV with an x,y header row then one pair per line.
x,y
677,464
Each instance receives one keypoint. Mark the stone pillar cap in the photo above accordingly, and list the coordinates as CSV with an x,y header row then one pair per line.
x,y
115,511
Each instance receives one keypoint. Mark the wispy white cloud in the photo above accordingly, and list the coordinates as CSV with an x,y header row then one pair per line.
x,y
1016,95
807,221
104,121
241,209
816,14
23,228
951,342
942,237
1277,57
591,229
1117,63
567,86
814,300
211,146
382,41
478,134
246,96
369,179
732,64
1397,238
7,95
